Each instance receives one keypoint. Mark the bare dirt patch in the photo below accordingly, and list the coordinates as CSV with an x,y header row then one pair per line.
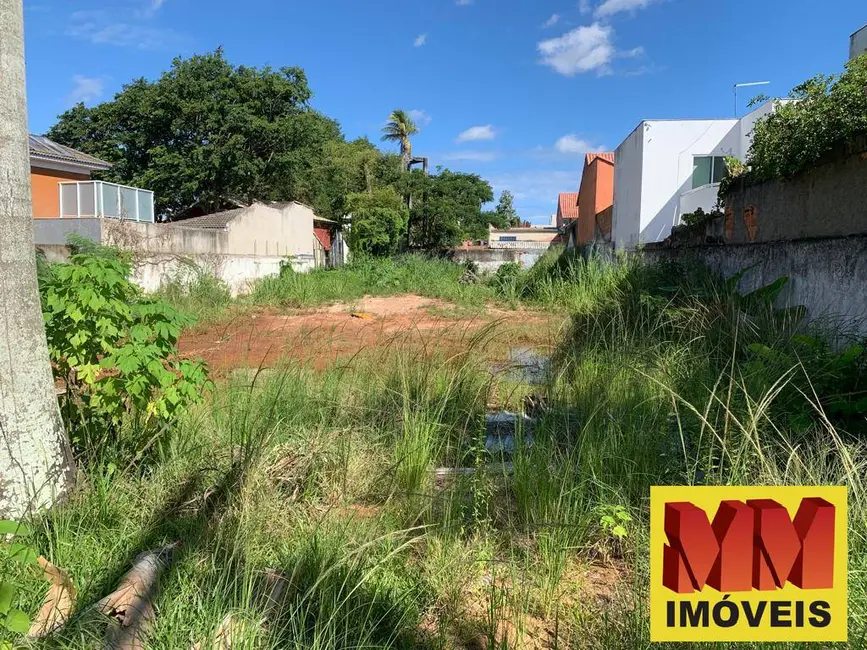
x,y
321,337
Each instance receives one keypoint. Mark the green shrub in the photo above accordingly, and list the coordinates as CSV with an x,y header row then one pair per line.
x,y
507,281
16,556
115,349
830,109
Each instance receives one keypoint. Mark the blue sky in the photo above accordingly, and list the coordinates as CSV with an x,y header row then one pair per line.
x,y
515,90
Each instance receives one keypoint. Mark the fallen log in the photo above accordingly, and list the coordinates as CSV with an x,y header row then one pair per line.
x,y
131,604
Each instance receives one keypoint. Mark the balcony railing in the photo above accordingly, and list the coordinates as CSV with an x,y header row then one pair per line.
x,y
100,199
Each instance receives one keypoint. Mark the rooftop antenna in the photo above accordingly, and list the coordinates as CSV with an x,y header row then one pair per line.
x,y
752,83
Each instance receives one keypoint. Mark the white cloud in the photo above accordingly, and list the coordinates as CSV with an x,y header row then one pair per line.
x,y
420,117
420,40
611,7
474,156
553,20
584,6
582,49
463,3
475,133
85,89
123,29
156,4
572,144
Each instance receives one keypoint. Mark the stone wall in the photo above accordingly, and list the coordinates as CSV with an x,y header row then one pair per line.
x,y
827,276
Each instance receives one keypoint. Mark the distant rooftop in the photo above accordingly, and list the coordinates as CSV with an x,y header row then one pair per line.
x,y
41,148
607,157
221,220
568,202
215,221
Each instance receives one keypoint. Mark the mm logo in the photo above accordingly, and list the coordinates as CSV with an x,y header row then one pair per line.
x,y
748,564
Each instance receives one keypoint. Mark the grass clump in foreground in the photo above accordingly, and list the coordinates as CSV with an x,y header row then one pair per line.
x,y
324,482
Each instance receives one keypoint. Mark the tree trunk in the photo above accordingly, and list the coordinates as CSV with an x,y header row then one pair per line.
x,y
35,458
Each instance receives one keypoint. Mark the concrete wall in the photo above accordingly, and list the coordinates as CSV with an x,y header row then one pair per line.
x,y
625,222
825,276
239,272
858,42
700,197
165,252
272,231
164,238
55,232
489,259
827,201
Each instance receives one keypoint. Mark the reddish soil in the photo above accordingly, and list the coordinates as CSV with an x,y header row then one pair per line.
x,y
340,331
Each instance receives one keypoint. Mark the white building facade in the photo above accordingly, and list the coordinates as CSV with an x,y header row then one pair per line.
x,y
667,168
858,42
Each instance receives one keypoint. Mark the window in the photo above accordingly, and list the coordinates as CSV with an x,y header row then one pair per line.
x,y
508,238
707,170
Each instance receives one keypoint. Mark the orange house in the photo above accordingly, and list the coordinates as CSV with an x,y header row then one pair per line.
x,y
51,164
596,197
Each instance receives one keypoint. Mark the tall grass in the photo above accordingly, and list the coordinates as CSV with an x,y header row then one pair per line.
x,y
322,482
431,277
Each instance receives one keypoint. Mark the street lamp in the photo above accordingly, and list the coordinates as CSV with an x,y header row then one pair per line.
x,y
752,83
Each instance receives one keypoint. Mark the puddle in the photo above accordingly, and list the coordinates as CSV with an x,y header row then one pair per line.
x,y
526,365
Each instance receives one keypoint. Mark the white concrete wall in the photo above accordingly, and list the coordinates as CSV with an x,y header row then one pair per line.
x,y
858,43
700,197
627,190
266,230
252,247
237,271
667,166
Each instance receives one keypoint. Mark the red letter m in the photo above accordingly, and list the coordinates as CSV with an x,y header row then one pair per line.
x,y
752,545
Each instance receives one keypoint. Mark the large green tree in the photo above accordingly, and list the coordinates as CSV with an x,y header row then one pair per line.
x,y
447,207
507,216
379,221
208,134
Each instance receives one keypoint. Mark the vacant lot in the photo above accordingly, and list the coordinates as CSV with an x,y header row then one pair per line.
x,y
323,336
391,458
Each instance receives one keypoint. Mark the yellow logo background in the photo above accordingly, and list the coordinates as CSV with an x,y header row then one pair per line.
x,y
709,498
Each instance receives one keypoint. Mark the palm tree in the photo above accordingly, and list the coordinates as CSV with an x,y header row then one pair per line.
x,y
399,129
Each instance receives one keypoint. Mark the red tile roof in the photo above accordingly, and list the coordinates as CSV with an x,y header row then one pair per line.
x,y
568,205
607,157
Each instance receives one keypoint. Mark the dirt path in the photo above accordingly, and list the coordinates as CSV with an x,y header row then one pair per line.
x,y
322,336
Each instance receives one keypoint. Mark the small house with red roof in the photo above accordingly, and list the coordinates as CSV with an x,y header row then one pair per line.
x,y
567,209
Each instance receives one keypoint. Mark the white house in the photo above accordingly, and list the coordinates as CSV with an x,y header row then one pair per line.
x,y
666,168
858,42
